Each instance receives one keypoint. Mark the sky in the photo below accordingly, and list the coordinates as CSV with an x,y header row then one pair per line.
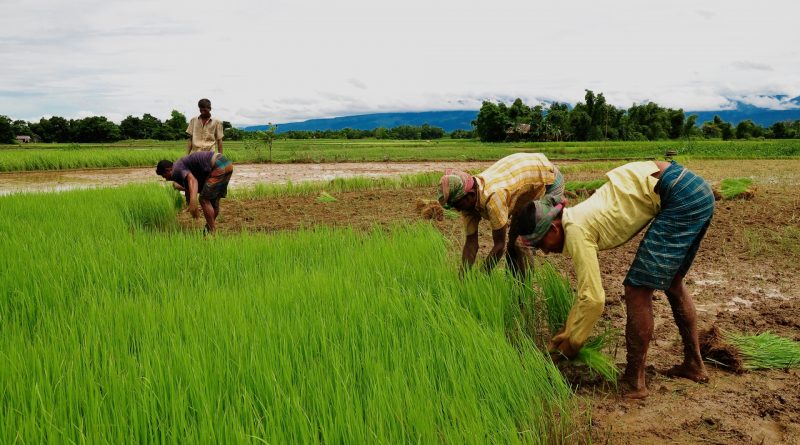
x,y
292,60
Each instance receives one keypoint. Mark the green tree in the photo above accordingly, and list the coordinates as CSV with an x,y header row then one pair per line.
x,y
177,125
95,129
21,128
780,130
689,128
6,130
491,122
676,123
747,129
556,123
726,130
131,128
234,134
268,136
462,134
537,130
150,126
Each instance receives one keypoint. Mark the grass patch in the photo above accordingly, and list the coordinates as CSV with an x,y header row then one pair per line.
x,y
783,242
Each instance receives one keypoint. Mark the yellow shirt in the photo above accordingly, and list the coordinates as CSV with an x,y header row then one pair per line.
x,y
204,137
501,186
613,215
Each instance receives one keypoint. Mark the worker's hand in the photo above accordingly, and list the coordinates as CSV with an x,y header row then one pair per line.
x,y
561,345
194,209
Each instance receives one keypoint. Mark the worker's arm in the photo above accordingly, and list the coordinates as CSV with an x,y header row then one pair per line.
x,y
497,211
189,132
590,300
499,247
194,206
219,134
470,251
177,186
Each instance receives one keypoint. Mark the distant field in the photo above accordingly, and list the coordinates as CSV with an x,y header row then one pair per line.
x,y
148,153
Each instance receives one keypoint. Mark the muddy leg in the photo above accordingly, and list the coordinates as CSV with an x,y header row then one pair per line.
x,y
210,215
685,316
638,332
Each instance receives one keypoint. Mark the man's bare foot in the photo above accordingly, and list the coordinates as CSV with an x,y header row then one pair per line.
x,y
693,373
630,391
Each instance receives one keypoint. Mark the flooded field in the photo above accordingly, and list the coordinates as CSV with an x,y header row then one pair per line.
x,y
244,175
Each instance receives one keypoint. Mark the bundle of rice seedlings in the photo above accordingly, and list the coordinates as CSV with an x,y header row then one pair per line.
x,y
451,214
325,197
558,298
737,188
765,350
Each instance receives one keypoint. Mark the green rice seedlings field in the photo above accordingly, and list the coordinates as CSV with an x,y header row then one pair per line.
x,y
116,327
148,153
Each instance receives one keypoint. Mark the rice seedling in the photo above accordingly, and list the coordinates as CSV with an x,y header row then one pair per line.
x,y
558,300
115,327
732,188
765,350
325,197
584,186
451,214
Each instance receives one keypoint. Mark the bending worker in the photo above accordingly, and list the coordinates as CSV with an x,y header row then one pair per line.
x,y
680,205
494,195
203,172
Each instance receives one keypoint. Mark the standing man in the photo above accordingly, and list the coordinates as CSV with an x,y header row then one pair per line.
x,y
495,194
203,172
204,131
680,205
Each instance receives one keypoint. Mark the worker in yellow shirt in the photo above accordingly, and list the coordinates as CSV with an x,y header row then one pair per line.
x,y
680,205
494,195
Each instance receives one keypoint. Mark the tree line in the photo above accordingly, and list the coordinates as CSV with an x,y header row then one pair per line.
x,y
596,120
100,129
591,120
404,132
96,129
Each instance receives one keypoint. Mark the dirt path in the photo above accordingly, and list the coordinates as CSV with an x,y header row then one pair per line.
x,y
245,174
745,278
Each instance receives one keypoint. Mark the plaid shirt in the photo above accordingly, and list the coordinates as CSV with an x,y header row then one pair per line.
x,y
500,187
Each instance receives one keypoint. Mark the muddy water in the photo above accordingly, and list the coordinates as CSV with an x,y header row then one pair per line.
x,y
244,175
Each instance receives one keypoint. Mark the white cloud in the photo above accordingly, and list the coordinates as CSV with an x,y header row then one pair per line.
x,y
745,65
283,60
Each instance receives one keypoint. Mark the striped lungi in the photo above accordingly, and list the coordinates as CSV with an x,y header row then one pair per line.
x,y
670,244
216,185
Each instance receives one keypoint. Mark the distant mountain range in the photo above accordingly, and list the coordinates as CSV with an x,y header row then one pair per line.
x,y
447,120
462,119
